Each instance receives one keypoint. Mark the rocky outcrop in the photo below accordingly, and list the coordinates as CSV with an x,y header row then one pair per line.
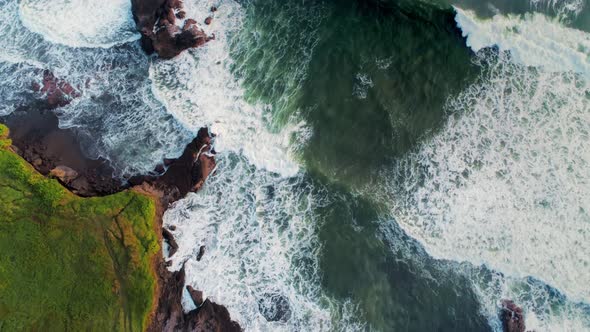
x,y
56,152
156,20
53,151
170,317
512,317
56,91
184,174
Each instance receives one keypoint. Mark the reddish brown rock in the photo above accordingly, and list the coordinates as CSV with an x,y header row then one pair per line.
x,y
169,316
36,137
208,20
155,19
169,238
512,317
196,296
56,91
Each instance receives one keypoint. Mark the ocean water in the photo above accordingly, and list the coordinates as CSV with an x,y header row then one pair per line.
x,y
383,165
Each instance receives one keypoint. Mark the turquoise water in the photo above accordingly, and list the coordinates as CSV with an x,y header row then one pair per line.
x,y
382,165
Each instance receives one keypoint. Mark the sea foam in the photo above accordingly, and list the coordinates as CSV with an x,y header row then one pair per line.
x,y
505,182
80,23
532,39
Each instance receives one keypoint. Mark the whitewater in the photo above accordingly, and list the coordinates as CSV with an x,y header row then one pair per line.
x,y
504,184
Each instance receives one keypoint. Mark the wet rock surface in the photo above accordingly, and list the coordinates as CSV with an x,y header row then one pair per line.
x,y
156,20
37,138
512,317
170,316
274,307
56,152
56,92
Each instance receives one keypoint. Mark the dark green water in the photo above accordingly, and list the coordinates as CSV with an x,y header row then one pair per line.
x,y
371,81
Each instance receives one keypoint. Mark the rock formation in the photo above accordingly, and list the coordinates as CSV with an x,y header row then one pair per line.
x,y
512,317
56,152
156,21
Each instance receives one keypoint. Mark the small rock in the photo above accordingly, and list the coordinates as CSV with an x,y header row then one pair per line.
x,y
64,174
201,253
37,162
274,307
213,9
208,20
196,295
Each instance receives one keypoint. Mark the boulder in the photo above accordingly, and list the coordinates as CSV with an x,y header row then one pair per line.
x,y
64,174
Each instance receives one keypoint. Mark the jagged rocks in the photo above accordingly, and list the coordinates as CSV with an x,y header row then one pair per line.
x,y
170,316
156,21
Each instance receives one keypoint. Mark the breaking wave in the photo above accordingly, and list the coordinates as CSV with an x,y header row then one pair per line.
x,y
504,185
533,40
80,23
261,256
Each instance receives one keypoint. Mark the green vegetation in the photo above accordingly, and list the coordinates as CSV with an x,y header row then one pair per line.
x,y
71,263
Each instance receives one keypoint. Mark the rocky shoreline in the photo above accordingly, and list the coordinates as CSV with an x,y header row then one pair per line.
x,y
37,138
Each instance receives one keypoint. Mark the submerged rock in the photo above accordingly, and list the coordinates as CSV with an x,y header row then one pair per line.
x,y
274,307
156,21
512,317
57,92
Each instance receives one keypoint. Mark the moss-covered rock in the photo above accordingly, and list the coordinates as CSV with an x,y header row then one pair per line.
x,y
71,263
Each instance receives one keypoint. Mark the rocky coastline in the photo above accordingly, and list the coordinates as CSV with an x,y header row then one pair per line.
x,y
37,138
56,153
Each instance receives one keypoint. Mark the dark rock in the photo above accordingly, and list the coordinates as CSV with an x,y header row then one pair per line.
x,y
155,20
274,307
169,315
213,9
39,140
196,296
188,172
208,20
512,317
201,253
169,238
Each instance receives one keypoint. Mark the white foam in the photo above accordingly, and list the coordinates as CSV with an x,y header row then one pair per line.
x,y
532,39
80,23
506,182
199,89
260,238
116,113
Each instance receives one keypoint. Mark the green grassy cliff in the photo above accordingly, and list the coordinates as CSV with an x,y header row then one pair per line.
x,y
71,263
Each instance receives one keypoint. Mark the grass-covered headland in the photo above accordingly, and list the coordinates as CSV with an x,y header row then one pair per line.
x,y
71,263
